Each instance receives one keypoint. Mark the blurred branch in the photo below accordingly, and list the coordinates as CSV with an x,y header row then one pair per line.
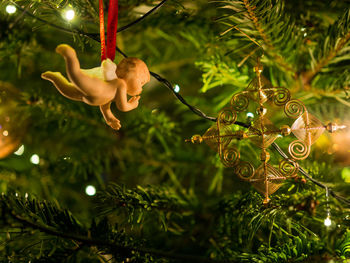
x,y
309,75
113,246
75,30
334,42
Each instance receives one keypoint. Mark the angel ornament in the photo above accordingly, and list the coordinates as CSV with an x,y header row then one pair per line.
x,y
102,85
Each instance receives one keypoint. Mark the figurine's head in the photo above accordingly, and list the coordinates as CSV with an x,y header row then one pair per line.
x,y
135,73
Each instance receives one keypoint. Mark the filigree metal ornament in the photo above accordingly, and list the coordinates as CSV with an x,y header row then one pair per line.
x,y
222,138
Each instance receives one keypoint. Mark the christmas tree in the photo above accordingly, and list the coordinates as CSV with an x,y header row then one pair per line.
x,y
75,189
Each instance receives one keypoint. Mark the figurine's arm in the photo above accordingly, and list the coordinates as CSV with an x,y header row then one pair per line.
x,y
111,120
121,99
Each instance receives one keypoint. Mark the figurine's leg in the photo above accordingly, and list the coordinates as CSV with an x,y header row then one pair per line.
x,y
66,88
96,91
72,63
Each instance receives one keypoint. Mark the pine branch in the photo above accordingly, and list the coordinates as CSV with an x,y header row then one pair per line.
x,y
242,223
344,246
92,35
316,182
337,38
9,207
254,18
257,19
149,198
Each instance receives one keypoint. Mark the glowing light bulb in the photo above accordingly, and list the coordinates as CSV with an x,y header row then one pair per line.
x,y
11,9
177,88
327,221
250,115
70,14
90,190
35,159
20,150
5,133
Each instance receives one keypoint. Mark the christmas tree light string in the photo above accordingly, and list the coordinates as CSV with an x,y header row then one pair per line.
x,y
167,84
327,221
91,35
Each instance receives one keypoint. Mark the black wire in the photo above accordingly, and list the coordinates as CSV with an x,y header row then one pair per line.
x,y
308,176
166,83
142,17
92,35
121,29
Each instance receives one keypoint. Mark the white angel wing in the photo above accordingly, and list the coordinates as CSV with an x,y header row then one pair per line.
x,y
107,70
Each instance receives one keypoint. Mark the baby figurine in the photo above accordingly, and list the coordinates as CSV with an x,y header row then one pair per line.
x,y
102,85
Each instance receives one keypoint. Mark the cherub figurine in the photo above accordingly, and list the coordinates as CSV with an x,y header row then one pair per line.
x,y
102,85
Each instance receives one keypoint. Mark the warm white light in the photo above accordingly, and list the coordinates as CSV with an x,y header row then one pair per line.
x,y
20,150
90,190
177,88
11,9
250,115
70,14
5,133
35,159
327,221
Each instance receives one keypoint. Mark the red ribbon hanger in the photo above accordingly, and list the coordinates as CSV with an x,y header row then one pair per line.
x,y
112,26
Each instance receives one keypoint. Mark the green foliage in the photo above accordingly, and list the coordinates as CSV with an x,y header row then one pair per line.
x,y
273,231
51,233
344,246
265,23
159,198
333,54
145,202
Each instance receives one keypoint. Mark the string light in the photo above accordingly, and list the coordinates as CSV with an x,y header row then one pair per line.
x,y
176,88
193,109
35,159
11,9
90,190
250,115
20,150
70,14
327,222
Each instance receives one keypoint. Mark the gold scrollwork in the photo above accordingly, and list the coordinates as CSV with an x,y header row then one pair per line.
x,y
227,116
230,157
239,102
294,108
299,150
288,168
244,170
281,96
